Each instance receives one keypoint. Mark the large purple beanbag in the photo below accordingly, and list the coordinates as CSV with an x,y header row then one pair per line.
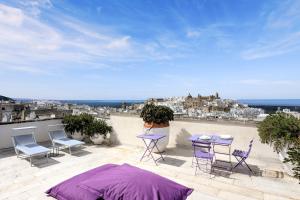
x,y
69,190
126,182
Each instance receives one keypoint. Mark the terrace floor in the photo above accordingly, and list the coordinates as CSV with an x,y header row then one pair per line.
x,y
20,181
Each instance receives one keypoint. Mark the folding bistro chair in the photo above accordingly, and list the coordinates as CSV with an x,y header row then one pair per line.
x,y
25,144
202,151
241,157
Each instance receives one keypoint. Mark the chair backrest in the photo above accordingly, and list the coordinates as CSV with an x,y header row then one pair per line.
x,y
24,139
204,146
250,147
57,134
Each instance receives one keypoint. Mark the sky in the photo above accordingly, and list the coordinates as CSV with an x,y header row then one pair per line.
x,y
129,49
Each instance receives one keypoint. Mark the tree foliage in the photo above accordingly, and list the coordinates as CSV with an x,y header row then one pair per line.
x,y
279,130
157,114
294,158
77,123
282,130
98,127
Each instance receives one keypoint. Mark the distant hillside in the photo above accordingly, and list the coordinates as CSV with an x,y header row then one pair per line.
x,y
3,98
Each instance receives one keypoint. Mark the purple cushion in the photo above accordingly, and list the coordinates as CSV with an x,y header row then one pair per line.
x,y
69,189
128,182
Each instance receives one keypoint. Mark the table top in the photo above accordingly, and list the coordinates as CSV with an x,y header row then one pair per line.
x,y
215,139
151,136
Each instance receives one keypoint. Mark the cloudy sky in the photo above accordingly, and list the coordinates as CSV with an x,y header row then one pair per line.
x,y
129,49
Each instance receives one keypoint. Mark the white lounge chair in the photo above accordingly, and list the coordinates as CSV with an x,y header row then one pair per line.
x,y
25,144
59,139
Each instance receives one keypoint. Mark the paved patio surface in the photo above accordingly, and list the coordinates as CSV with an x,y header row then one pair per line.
x,y
20,181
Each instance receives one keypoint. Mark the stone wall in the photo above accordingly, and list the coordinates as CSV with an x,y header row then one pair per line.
x,y
41,134
127,128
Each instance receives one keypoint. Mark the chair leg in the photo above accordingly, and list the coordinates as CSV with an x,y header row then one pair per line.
x,y
30,161
239,163
248,167
197,165
193,161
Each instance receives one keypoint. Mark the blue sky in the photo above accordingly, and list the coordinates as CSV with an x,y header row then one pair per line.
x,y
128,49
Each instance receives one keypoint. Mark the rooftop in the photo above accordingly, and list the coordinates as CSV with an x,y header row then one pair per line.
x,y
25,182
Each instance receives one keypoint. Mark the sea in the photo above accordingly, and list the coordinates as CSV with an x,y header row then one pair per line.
x,y
269,105
103,103
273,105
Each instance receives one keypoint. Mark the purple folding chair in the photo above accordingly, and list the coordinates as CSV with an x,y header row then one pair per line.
x,y
202,151
241,156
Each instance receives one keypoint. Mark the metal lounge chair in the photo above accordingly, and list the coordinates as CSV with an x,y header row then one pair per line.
x,y
25,144
202,151
59,139
241,157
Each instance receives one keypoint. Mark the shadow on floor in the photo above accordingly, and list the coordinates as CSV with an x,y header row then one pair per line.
x,y
43,164
172,161
40,161
182,139
175,151
224,169
80,153
4,153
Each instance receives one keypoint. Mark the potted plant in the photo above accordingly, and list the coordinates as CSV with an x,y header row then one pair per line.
x,y
282,132
156,121
76,125
98,131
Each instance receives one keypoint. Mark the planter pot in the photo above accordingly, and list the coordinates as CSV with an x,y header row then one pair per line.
x,y
286,166
97,139
158,129
77,136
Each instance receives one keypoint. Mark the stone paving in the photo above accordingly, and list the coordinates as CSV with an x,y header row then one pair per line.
x,y
20,181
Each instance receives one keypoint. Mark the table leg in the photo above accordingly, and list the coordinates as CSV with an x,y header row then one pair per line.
x,y
155,144
147,149
230,156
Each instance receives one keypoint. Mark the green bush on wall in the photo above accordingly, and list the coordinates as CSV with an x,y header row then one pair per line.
x,y
98,127
279,130
282,130
86,124
77,123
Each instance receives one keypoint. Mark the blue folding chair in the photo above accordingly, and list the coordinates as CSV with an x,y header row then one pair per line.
x,y
202,151
241,157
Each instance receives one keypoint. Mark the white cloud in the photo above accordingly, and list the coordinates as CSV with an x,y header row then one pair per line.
x,y
121,43
33,7
27,40
193,34
216,33
285,15
272,48
259,82
281,32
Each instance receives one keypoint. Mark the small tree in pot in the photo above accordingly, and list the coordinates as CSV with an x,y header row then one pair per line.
x,y
282,132
98,131
156,116
76,125
156,121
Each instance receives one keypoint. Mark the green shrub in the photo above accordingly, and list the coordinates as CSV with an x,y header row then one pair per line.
x,y
279,130
157,114
77,123
98,127
294,158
